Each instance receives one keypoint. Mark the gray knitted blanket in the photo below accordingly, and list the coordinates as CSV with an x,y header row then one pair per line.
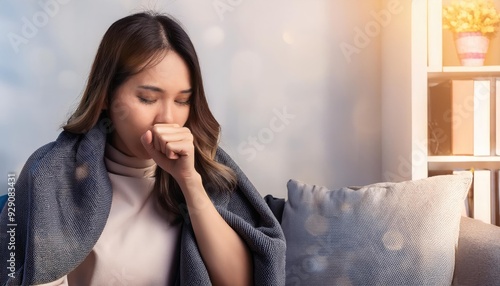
x,y
62,201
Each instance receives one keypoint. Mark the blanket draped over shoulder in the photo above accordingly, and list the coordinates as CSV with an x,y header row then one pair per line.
x,y
62,202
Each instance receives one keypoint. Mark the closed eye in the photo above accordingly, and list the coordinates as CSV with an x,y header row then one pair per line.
x,y
145,100
184,101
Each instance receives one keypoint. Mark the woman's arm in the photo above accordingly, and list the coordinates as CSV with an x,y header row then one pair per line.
x,y
225,255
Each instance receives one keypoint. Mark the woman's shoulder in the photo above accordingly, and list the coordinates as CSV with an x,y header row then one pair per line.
x,y
224,158
243,183
45,149
40,153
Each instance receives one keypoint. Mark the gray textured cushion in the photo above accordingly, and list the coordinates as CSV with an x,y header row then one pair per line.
x,y
382,234
478,256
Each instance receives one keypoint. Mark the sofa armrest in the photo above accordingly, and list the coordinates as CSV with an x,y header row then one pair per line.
x,y
477,260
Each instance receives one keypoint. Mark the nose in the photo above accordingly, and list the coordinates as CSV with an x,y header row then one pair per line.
x,y
165,113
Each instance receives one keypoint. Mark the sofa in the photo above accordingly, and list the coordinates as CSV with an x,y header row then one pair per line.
x,y
407,233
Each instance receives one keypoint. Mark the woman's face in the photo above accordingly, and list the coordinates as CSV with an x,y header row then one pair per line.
x,y
159,94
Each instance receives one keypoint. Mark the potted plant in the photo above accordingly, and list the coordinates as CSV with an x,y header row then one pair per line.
x,y
473,23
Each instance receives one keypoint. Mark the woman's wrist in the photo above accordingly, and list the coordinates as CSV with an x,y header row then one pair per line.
x,y
190,183
196,197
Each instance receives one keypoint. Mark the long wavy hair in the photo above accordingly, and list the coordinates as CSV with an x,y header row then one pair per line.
x,y
129,46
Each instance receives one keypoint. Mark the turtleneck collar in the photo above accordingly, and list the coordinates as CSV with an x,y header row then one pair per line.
x,y
124,165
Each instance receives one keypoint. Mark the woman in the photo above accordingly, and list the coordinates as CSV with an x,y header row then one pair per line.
x,y
135,191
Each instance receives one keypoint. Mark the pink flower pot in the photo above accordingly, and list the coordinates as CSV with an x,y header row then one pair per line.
x,y
471,48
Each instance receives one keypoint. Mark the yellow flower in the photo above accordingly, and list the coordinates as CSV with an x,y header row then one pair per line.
x,y
471,16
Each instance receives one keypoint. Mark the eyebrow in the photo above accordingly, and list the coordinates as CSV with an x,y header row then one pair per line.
x,y
157,89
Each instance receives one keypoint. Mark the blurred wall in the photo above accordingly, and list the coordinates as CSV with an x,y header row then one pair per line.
x,y
295,84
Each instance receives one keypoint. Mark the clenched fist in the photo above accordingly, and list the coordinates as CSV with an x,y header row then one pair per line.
x,y
171,147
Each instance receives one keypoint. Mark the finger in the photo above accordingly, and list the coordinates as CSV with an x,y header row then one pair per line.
x,y
156,142
179,148
169,128
161,142
166,125
161,145
172,137
164,135
147,142
171,155
157,156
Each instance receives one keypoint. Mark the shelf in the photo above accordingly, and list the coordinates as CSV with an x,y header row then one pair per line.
x,y
445,159
461,72
481,69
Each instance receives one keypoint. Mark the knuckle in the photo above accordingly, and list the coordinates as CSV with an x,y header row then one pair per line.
x,y
168,145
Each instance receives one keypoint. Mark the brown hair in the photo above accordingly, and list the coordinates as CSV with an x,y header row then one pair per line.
x,y
130,45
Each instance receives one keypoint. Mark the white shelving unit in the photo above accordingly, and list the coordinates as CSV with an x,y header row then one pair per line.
x,y
421,37
428,67
410,63
433,61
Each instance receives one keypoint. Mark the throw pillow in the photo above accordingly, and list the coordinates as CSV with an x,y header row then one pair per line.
x,y
382,234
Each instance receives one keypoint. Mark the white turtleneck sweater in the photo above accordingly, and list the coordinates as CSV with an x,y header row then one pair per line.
x,y
139,244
